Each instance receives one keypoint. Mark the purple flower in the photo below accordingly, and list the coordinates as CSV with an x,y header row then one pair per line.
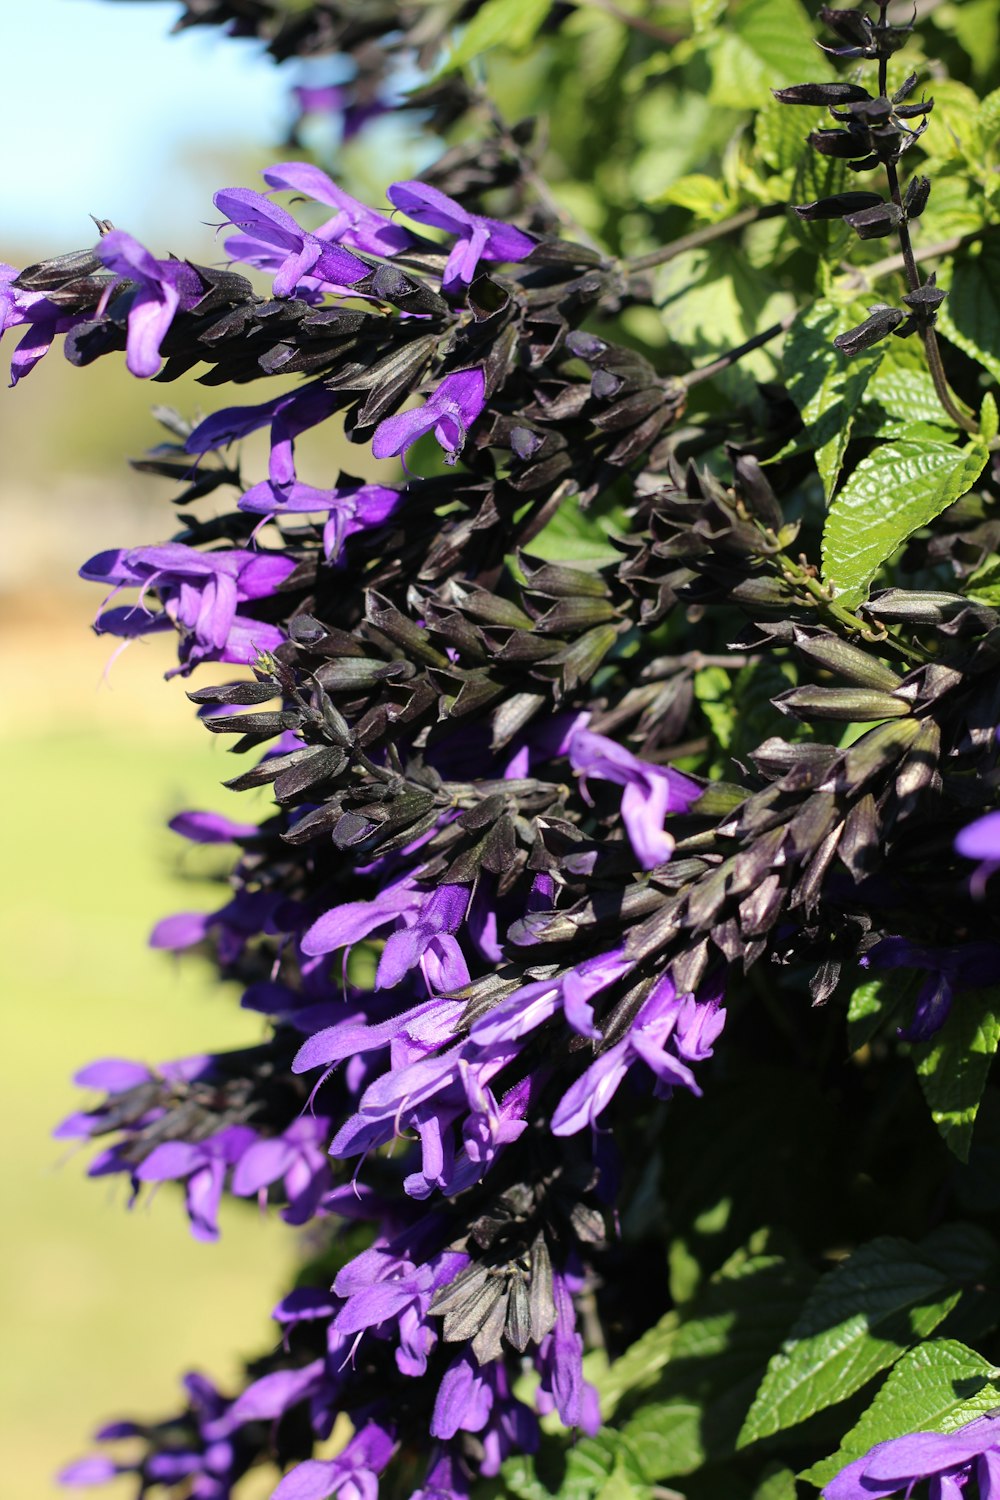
x,y
353,224
981,841
448,413
298,1157
349,509
385,1286
478,238
162,286
210,828
202,1166
200,593
302,254
669,1032
650,791
353,1474
44,321
560,1362
948,1460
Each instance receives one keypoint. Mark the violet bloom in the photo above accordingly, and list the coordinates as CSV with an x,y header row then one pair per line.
x,y
478,238
560,1363
298,1157
670,1032
353,224
352,1475
303,254
161,288
200,593
43,320
448,413
981,841
385,1288
289,415
948,1460
349,508
202,1166
650,791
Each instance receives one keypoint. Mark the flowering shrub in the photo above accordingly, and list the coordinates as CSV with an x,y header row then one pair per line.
x,y
623,915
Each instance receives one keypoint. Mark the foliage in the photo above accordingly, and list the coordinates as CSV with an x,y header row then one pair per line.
x,y
661,693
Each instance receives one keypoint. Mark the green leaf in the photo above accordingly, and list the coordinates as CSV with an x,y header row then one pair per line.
x,y
907,394
954,1065
716,1357
989,418
875,1001
513,24
640,1363
969,317
861,1317
897,489
937,1387
765,44
776,1483
705,13
706,197
826,387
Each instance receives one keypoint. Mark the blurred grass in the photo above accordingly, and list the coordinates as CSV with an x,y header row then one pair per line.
x,y
103,1308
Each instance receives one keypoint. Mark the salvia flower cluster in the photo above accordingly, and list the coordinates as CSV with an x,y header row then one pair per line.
x,y
488,919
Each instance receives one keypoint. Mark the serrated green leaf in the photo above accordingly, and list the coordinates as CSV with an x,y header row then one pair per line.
x,y
513,24
969,317
989,418
826,387
937,1387
818,176
954,1065
765,44
897,489
693,1412
907,394
860,1318
781,135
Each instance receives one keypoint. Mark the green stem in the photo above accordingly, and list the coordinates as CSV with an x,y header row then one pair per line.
x,y
804,578
699,237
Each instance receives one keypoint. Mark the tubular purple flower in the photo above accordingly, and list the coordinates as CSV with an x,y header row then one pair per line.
x,y
651,792
478,238
203,1168
304,253
350,508
981,841
669,1031
353,1474
449,413
162,286
200,593
947,1459
353,224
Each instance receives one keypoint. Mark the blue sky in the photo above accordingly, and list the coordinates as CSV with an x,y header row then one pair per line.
x,y
108,115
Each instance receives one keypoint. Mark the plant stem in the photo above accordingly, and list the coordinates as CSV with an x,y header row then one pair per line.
x,y
699,237
927,334
705,372
861,275
804,578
